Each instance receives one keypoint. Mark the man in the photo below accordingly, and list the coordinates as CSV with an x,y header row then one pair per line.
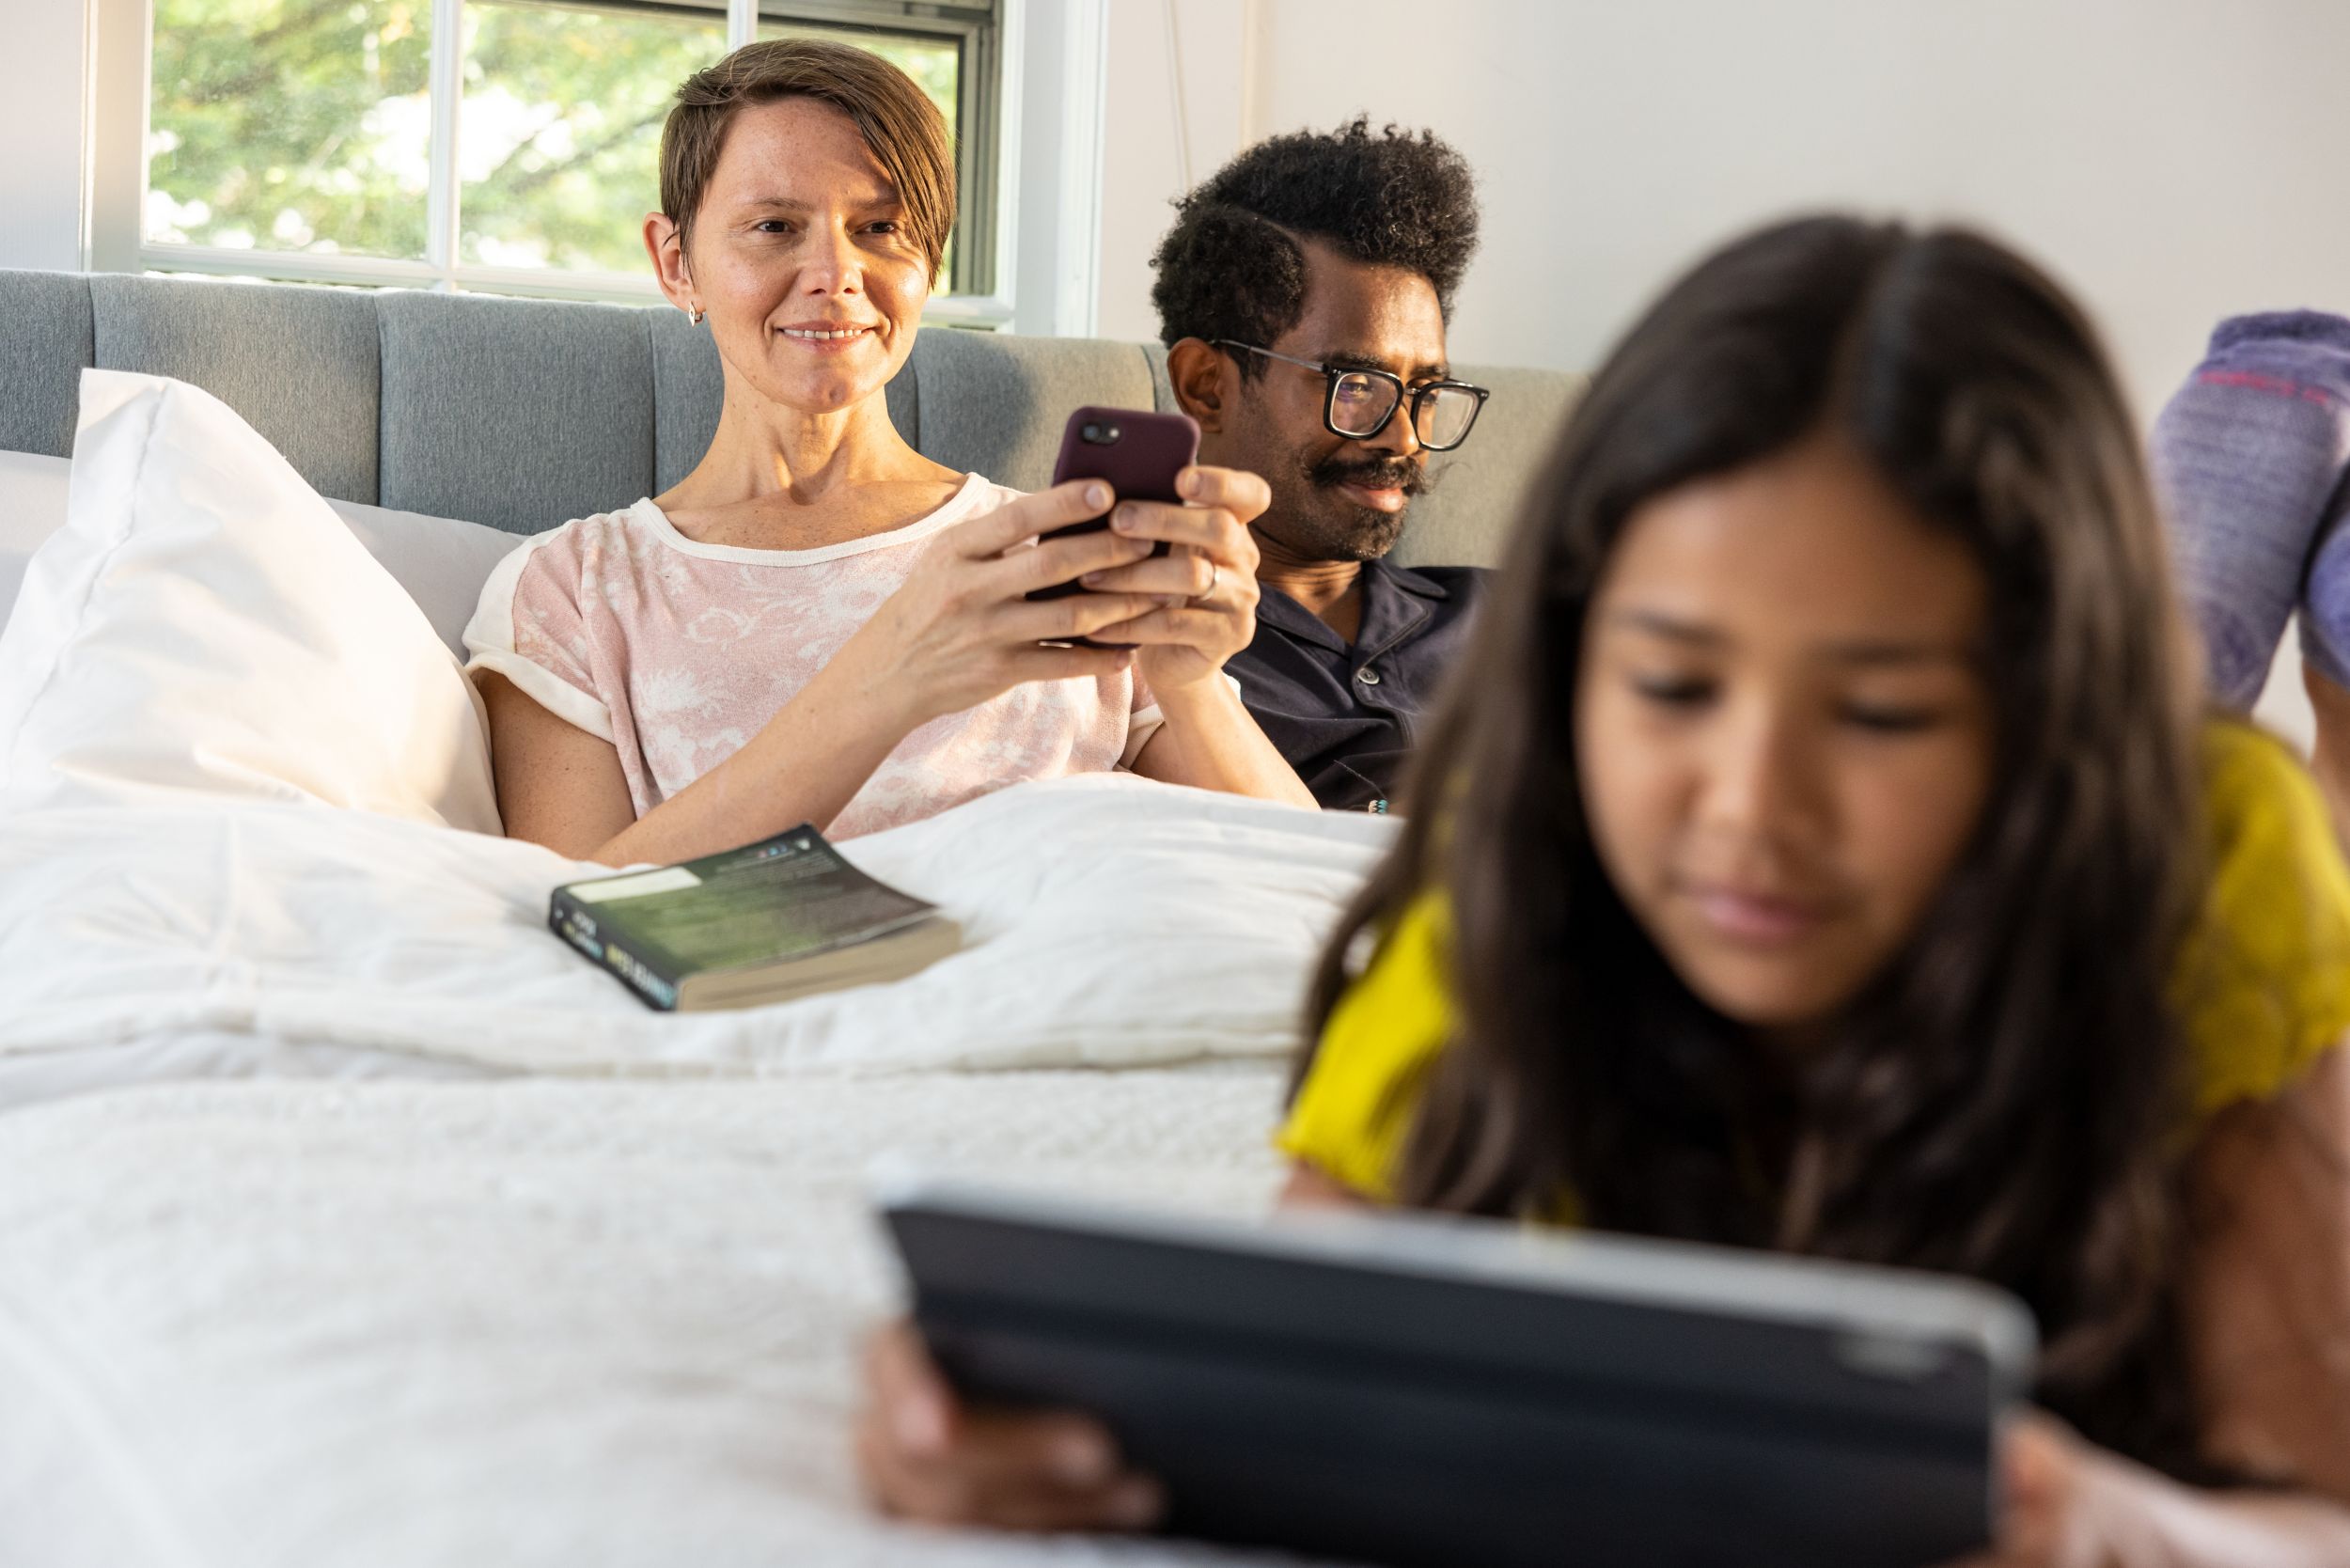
x,y
1303,294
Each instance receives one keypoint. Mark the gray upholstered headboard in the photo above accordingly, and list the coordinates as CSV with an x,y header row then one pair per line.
x,y
523,413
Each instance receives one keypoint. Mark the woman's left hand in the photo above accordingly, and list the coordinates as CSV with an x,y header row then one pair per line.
x,y
2041,1524
1207,580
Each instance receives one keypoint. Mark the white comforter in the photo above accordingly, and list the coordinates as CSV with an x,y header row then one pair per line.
x,y
532,1318
528,1324
1110,922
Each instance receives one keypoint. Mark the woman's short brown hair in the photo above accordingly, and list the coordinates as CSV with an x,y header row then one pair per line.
x,y
903,128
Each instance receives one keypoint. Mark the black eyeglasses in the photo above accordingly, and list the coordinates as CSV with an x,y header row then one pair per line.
x,y
1360,402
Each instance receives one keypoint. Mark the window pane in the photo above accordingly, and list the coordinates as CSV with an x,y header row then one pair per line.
x,y
559,142
294,125
934,63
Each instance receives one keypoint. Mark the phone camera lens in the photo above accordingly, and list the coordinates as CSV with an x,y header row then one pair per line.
x,y
1097,435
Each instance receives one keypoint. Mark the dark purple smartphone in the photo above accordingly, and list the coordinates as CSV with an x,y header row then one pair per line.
x,y
1139,453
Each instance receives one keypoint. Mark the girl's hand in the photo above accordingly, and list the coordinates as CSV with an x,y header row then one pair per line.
x,y
1205,584
2042,1524
922,1454
961,630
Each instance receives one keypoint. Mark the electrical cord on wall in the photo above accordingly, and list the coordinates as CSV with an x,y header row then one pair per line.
x,y
1175,93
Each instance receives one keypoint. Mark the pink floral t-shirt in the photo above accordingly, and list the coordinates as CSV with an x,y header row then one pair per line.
x,y
679,652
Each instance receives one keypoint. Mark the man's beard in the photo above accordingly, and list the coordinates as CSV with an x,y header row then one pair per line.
x,y
1331,527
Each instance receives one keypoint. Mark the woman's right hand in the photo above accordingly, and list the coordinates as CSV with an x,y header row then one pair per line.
x,y
925,1455
961,629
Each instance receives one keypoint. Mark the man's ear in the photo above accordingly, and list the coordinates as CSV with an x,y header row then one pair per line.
x,y
1205,382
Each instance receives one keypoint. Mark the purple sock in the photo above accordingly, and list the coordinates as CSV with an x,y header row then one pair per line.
x,y
2248,457
2326,597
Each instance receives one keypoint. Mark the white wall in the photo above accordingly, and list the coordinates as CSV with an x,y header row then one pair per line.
x,y
40,134
1154,138
2172,160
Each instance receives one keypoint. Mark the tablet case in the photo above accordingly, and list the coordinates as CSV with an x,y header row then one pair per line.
x,y
1413,1392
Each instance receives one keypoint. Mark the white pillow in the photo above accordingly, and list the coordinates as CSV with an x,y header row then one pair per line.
x,y
32,506
205,623
440,561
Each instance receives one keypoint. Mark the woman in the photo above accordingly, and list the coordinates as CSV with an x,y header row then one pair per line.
x,y
818,624
1832,857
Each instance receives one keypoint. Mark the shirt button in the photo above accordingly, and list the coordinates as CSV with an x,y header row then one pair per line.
x,y
1368,675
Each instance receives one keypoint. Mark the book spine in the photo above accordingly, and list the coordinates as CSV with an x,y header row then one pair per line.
x,y
575,924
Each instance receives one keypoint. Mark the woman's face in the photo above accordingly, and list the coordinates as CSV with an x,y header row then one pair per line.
x,y
802,256
1784,735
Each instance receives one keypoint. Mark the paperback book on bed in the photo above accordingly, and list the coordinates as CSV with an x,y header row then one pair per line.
x,y
784,917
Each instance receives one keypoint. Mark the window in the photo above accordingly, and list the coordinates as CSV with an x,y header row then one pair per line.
x,y
499,144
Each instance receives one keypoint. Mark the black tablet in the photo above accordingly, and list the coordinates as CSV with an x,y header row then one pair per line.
x,y
1412,1390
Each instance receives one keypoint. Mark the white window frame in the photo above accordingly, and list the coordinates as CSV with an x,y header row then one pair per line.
x,y
1048,165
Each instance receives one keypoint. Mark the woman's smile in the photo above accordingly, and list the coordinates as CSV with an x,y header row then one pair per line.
x,y
827,336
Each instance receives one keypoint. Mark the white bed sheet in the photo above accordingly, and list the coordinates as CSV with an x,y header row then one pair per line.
x,y
598,1304
1110,921
532,1322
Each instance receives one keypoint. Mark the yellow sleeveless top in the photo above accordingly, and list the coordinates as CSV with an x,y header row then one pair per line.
x,y
2264,988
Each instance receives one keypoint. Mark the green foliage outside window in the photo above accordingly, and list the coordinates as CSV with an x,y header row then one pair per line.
x,y
291,125
559,143
305,125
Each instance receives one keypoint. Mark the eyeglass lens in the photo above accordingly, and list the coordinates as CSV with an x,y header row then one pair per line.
x,y
1446,414
1360,406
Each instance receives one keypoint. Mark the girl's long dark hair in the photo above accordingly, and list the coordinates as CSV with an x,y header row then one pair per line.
x,y
2006,1100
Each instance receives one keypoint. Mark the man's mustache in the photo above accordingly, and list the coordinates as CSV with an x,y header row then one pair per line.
x,y
1379,474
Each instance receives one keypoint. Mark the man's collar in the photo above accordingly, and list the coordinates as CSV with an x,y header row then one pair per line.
x,y
1407,579
1392,607
1283,614
1287,615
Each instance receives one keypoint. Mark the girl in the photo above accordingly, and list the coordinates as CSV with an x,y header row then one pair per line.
x,y
1830,855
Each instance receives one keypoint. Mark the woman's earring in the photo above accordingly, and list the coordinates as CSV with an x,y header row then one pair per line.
x,y
694,314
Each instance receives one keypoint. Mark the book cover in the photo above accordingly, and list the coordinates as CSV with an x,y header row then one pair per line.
x,y
750,914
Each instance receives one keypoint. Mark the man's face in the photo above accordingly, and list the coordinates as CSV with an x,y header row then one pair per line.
x,y
1334,498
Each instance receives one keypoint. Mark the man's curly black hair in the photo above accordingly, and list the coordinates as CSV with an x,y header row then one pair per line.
x,y
1231,268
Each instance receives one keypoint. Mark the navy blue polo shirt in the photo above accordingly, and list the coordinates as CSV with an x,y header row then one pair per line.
x,y
1346,717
